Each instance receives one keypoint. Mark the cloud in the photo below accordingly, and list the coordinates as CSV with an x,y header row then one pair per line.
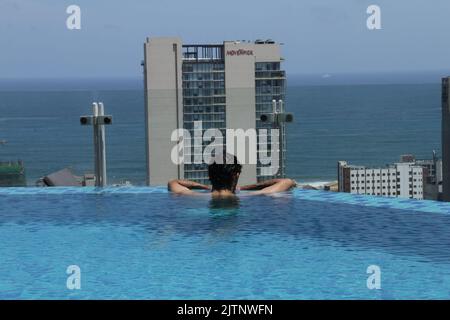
x,y
332,13
113,27
10,5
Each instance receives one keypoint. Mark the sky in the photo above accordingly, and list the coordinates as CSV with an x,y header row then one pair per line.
x,y
320,36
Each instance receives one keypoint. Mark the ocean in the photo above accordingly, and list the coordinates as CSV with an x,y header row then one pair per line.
x,y
364,124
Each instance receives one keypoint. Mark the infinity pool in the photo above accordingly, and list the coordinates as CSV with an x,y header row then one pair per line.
x,y
146,243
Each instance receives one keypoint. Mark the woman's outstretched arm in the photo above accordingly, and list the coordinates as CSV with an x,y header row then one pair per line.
x,y
185,186
271,186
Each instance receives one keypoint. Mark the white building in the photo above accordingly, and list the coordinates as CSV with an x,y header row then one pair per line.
x,y
403,180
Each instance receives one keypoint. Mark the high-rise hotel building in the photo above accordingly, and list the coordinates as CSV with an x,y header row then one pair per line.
x,y
225,86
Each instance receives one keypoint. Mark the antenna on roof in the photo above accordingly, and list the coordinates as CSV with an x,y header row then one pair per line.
x,y
98,120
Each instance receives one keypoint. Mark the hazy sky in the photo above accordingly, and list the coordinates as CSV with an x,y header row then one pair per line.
x,y
320,36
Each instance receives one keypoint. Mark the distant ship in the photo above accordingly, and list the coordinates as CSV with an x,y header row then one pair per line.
x,y
3,141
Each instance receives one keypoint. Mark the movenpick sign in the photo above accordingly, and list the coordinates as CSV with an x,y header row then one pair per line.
x,y
240,52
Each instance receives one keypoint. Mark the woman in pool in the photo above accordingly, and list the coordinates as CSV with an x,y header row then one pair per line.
x,y
224,176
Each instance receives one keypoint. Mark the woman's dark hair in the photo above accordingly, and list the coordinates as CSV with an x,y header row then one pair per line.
x,y
224,172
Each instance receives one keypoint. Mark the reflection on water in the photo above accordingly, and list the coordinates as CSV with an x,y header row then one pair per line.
x,y
163,215
224,205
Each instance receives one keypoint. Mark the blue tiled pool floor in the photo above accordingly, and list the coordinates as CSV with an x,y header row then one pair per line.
x,y
146,243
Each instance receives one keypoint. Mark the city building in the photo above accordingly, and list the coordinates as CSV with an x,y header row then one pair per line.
x,y
409,178
432,183
403,180
432,167
225,86
445,139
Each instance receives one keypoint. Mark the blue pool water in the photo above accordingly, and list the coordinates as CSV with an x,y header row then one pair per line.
x,y
146,243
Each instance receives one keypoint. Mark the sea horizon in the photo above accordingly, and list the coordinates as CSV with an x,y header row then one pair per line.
x,y
134,82
39,119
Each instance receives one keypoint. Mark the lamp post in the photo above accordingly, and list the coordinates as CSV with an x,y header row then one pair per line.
x,y
278,118
98,120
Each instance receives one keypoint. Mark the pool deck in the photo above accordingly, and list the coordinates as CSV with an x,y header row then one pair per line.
x,y
309,195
